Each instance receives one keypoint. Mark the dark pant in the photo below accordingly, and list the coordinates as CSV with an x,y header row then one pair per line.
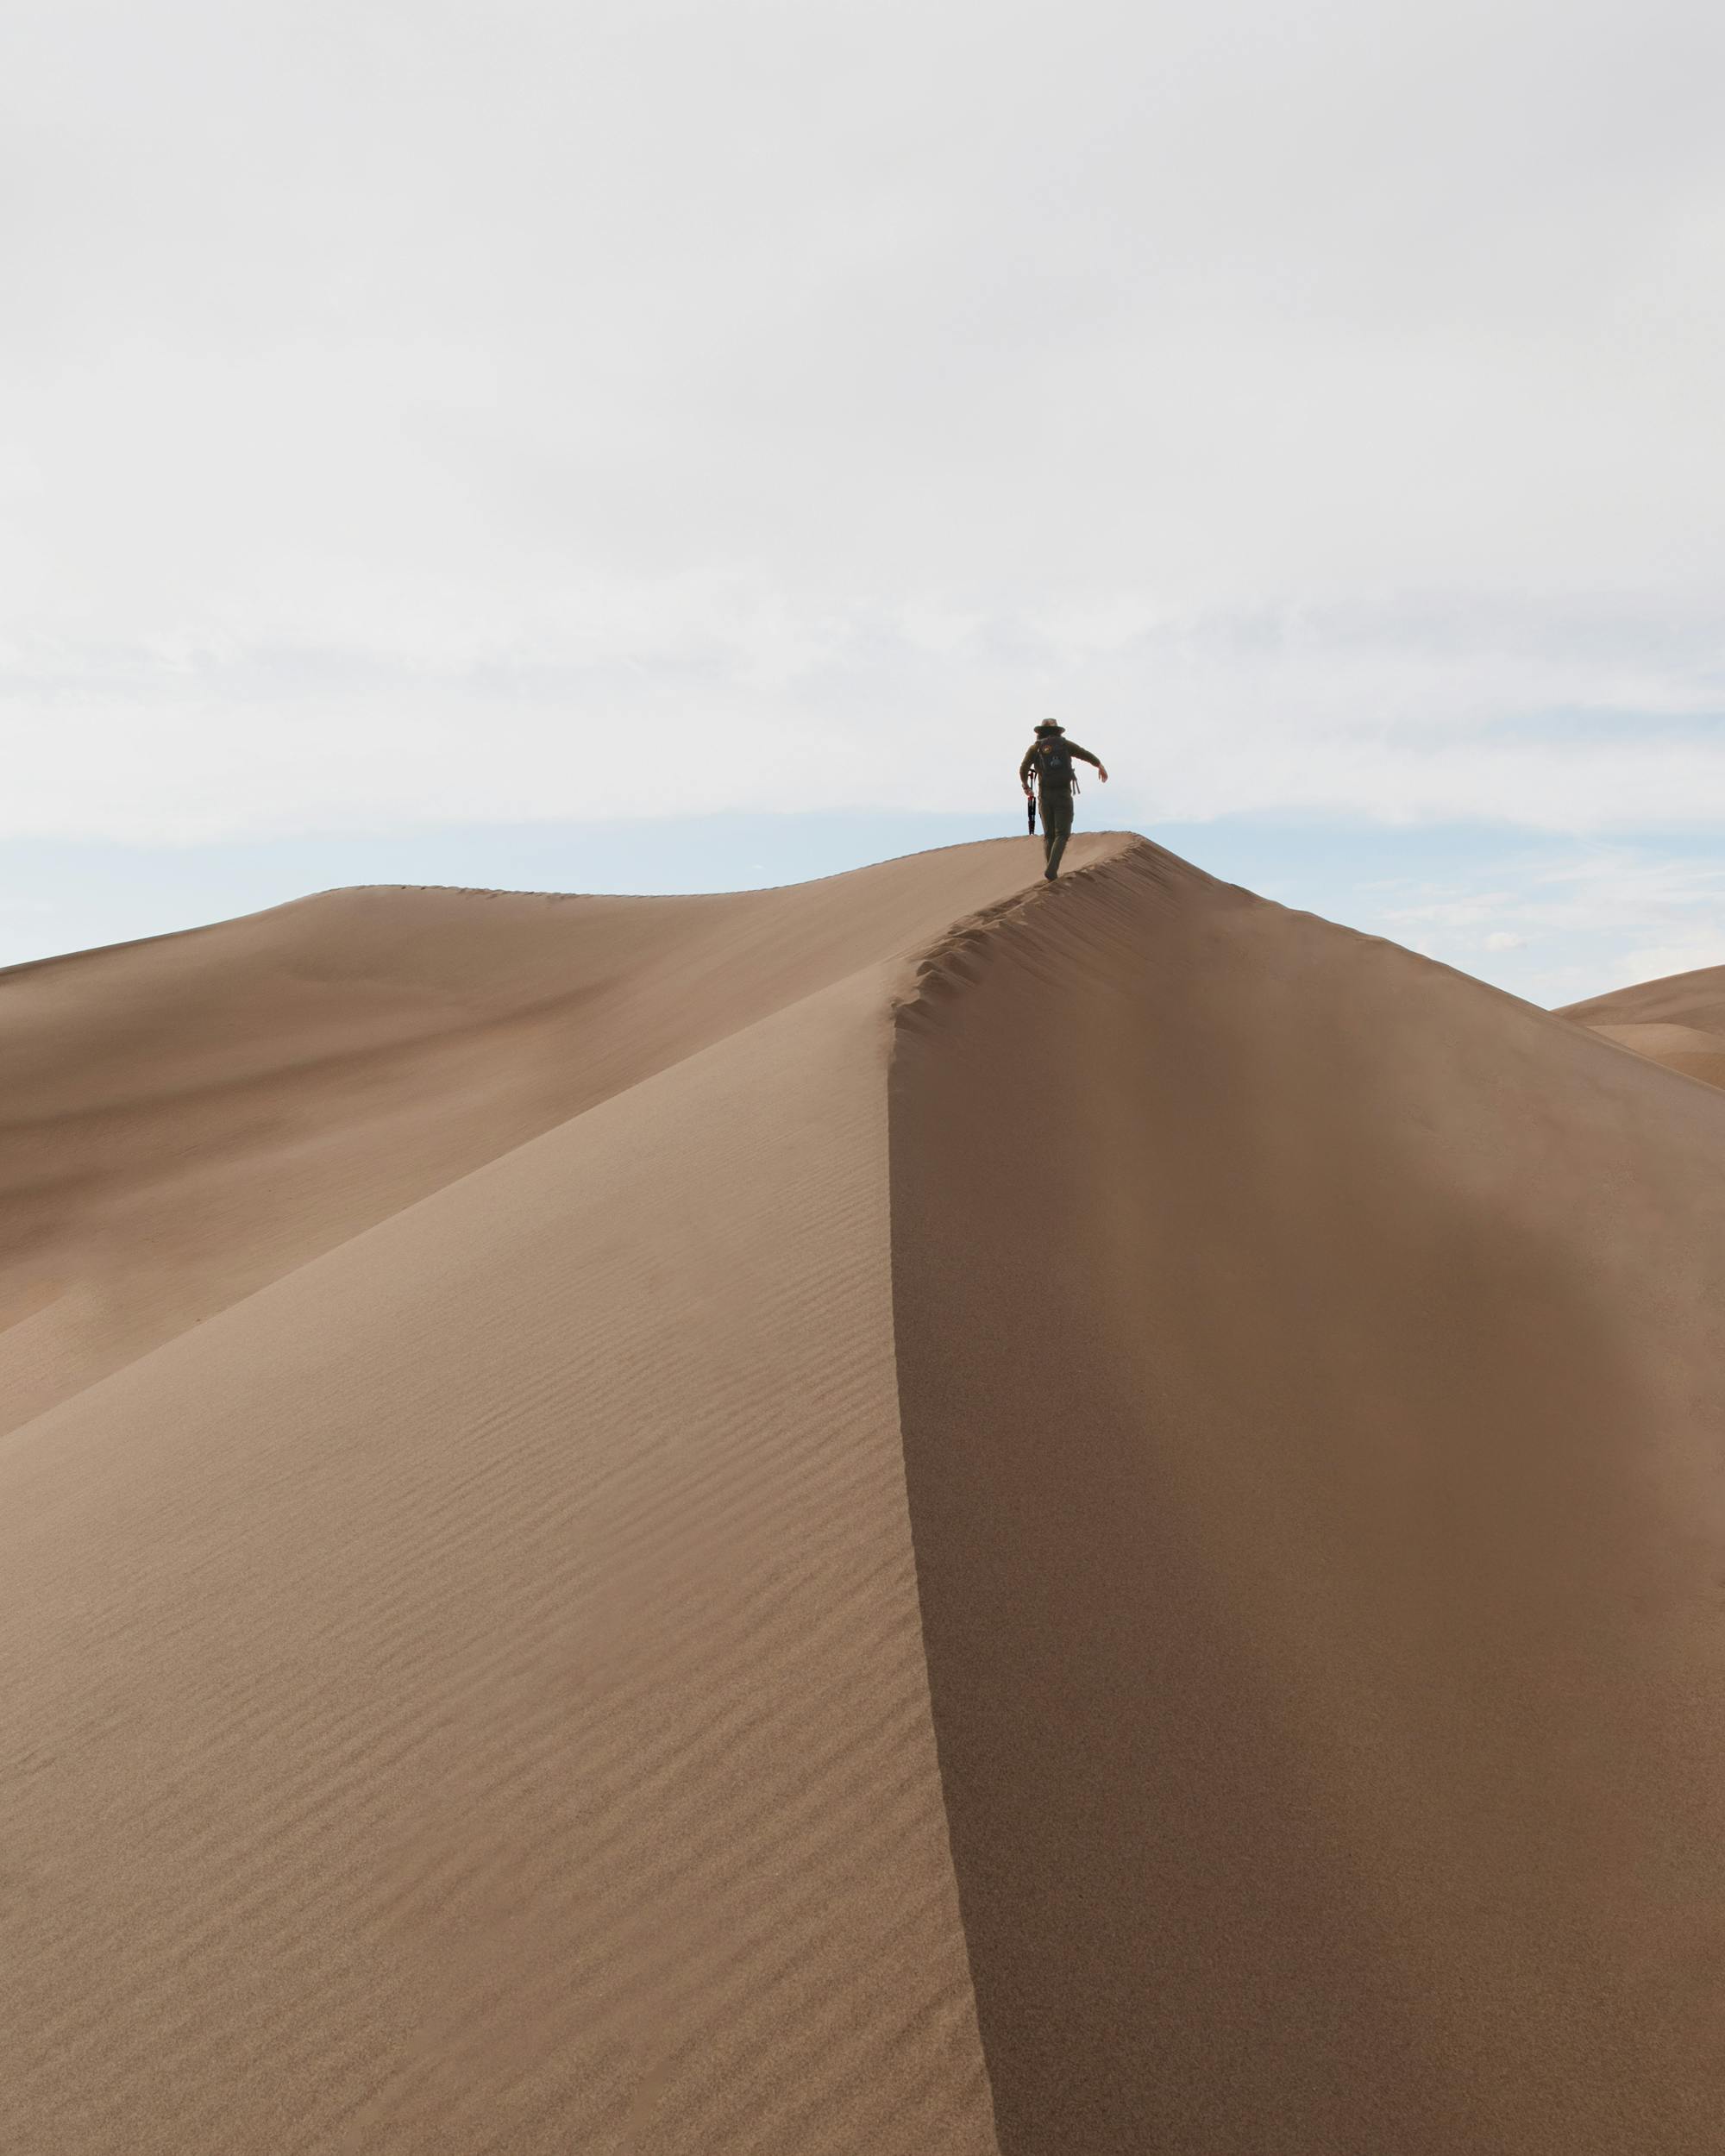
x,y
1056,826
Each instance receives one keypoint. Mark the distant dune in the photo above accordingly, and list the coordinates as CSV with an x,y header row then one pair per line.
x,y
919,1513
1678,1021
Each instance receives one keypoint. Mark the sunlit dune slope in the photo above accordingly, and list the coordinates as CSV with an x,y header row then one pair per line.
x,y
469,1695
1678,1021
184,1119
921,1514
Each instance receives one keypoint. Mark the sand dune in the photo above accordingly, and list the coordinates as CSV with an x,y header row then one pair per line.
x,y
1315,1472
1678,1021
913,1514
184,1120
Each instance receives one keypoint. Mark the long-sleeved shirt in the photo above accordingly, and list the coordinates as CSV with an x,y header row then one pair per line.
x,y
1031,763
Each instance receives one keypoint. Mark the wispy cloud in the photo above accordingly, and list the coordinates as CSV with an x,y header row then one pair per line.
x,y
1600,917
420,415
780,712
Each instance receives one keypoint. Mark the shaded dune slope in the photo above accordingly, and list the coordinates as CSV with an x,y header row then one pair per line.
x,y
1312,1373
1678,1021
901,1516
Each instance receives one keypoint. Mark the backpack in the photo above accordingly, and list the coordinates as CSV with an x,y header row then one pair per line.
x,y
1054,763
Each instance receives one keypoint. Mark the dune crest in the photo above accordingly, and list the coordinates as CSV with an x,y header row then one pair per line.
x,y
923,1514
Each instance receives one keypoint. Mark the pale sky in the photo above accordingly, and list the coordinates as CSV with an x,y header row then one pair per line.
x,y
444,417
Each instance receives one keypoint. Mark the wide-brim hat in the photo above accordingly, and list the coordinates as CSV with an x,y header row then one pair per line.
x,y
1050,726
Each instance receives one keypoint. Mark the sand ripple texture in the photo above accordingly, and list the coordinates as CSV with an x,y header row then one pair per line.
x,y
923,1513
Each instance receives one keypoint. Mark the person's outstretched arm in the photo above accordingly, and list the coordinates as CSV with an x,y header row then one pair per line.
x,y
1026,769
1073,749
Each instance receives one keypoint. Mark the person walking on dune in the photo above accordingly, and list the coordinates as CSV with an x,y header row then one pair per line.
x,y
1049,758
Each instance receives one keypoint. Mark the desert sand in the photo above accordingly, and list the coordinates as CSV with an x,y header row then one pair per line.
x,y
922,1512
1678,1021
